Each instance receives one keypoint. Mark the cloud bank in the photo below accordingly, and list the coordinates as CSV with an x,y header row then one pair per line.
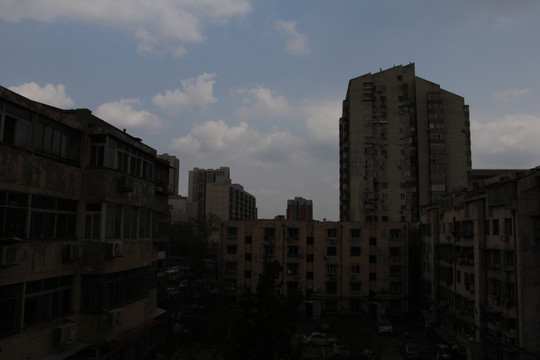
x,y
50,94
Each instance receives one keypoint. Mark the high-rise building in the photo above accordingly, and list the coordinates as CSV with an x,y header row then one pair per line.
x,y
213,193
174,172
404,142
299,209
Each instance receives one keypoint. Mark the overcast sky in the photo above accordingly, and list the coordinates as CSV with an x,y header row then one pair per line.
x,y
257,85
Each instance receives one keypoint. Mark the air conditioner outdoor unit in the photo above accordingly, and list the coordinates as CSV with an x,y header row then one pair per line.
x,y
65,333
113,317
73,252
9,255
115,249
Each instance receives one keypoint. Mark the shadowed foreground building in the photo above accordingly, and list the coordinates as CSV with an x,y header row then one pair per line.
x,y
338,267
81,209
481,252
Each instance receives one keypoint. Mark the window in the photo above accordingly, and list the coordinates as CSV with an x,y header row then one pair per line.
x,y
355,234
293,234
103,292
48,299
356,287
331,233
355,269
395,251
268,250
310,240
113,223
144,223
331,251
248,239
230,267
292,250
372,241
52,218
247,274
10,308
292,268
13,214
269,233
372,259
57,140
395,269
309,258
372,276
395,287
92,221
14,125
292,286
247,257
508,226
309,275
231,232
356,251
495,227
231,249
331,269
395,233
130,223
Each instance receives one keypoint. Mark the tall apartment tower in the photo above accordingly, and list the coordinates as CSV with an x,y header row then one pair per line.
x,y
198,179
299,209
404,142
174,172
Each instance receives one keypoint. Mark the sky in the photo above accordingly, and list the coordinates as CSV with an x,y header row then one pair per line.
x,y
257,85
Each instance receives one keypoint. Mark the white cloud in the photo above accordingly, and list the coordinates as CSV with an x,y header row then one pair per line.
x,y
195,92
49,94
216,141
152,22
122,115
508,95
507,142
261,102
322,120
295,42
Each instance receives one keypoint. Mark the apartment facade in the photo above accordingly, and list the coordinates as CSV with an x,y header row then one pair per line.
x,y
81,209
174,172
480,266
212,192
300,209
404,142
337,266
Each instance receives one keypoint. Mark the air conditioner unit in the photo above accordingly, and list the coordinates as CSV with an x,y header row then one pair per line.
x,y
65,333
115,249
9,255
113,317
73,252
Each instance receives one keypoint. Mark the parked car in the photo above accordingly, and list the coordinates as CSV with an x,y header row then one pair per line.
x,y
443,352
384,326
318,339
412,351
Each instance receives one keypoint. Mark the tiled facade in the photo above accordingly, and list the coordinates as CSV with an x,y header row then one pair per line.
x,y
337,266
404,142
481,252
81,209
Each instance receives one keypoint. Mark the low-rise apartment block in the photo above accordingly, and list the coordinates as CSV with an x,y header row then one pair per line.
x,y
337,266
481,281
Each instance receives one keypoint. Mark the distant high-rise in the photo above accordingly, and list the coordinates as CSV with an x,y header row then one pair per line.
x,y
212,192
299,209
174,172
404,142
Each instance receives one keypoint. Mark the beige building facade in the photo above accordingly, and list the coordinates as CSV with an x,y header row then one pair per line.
x,y
81,209
336,266
404,142
481,281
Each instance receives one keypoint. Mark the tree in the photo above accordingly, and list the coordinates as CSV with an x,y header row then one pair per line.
x,y
265,326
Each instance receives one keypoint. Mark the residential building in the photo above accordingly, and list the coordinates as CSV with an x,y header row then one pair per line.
x,y
481,282
82,206
213,193
174,172
180,209
300,209
404,142
337,266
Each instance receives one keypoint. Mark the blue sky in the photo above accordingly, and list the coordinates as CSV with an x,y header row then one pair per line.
x,y
257,85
